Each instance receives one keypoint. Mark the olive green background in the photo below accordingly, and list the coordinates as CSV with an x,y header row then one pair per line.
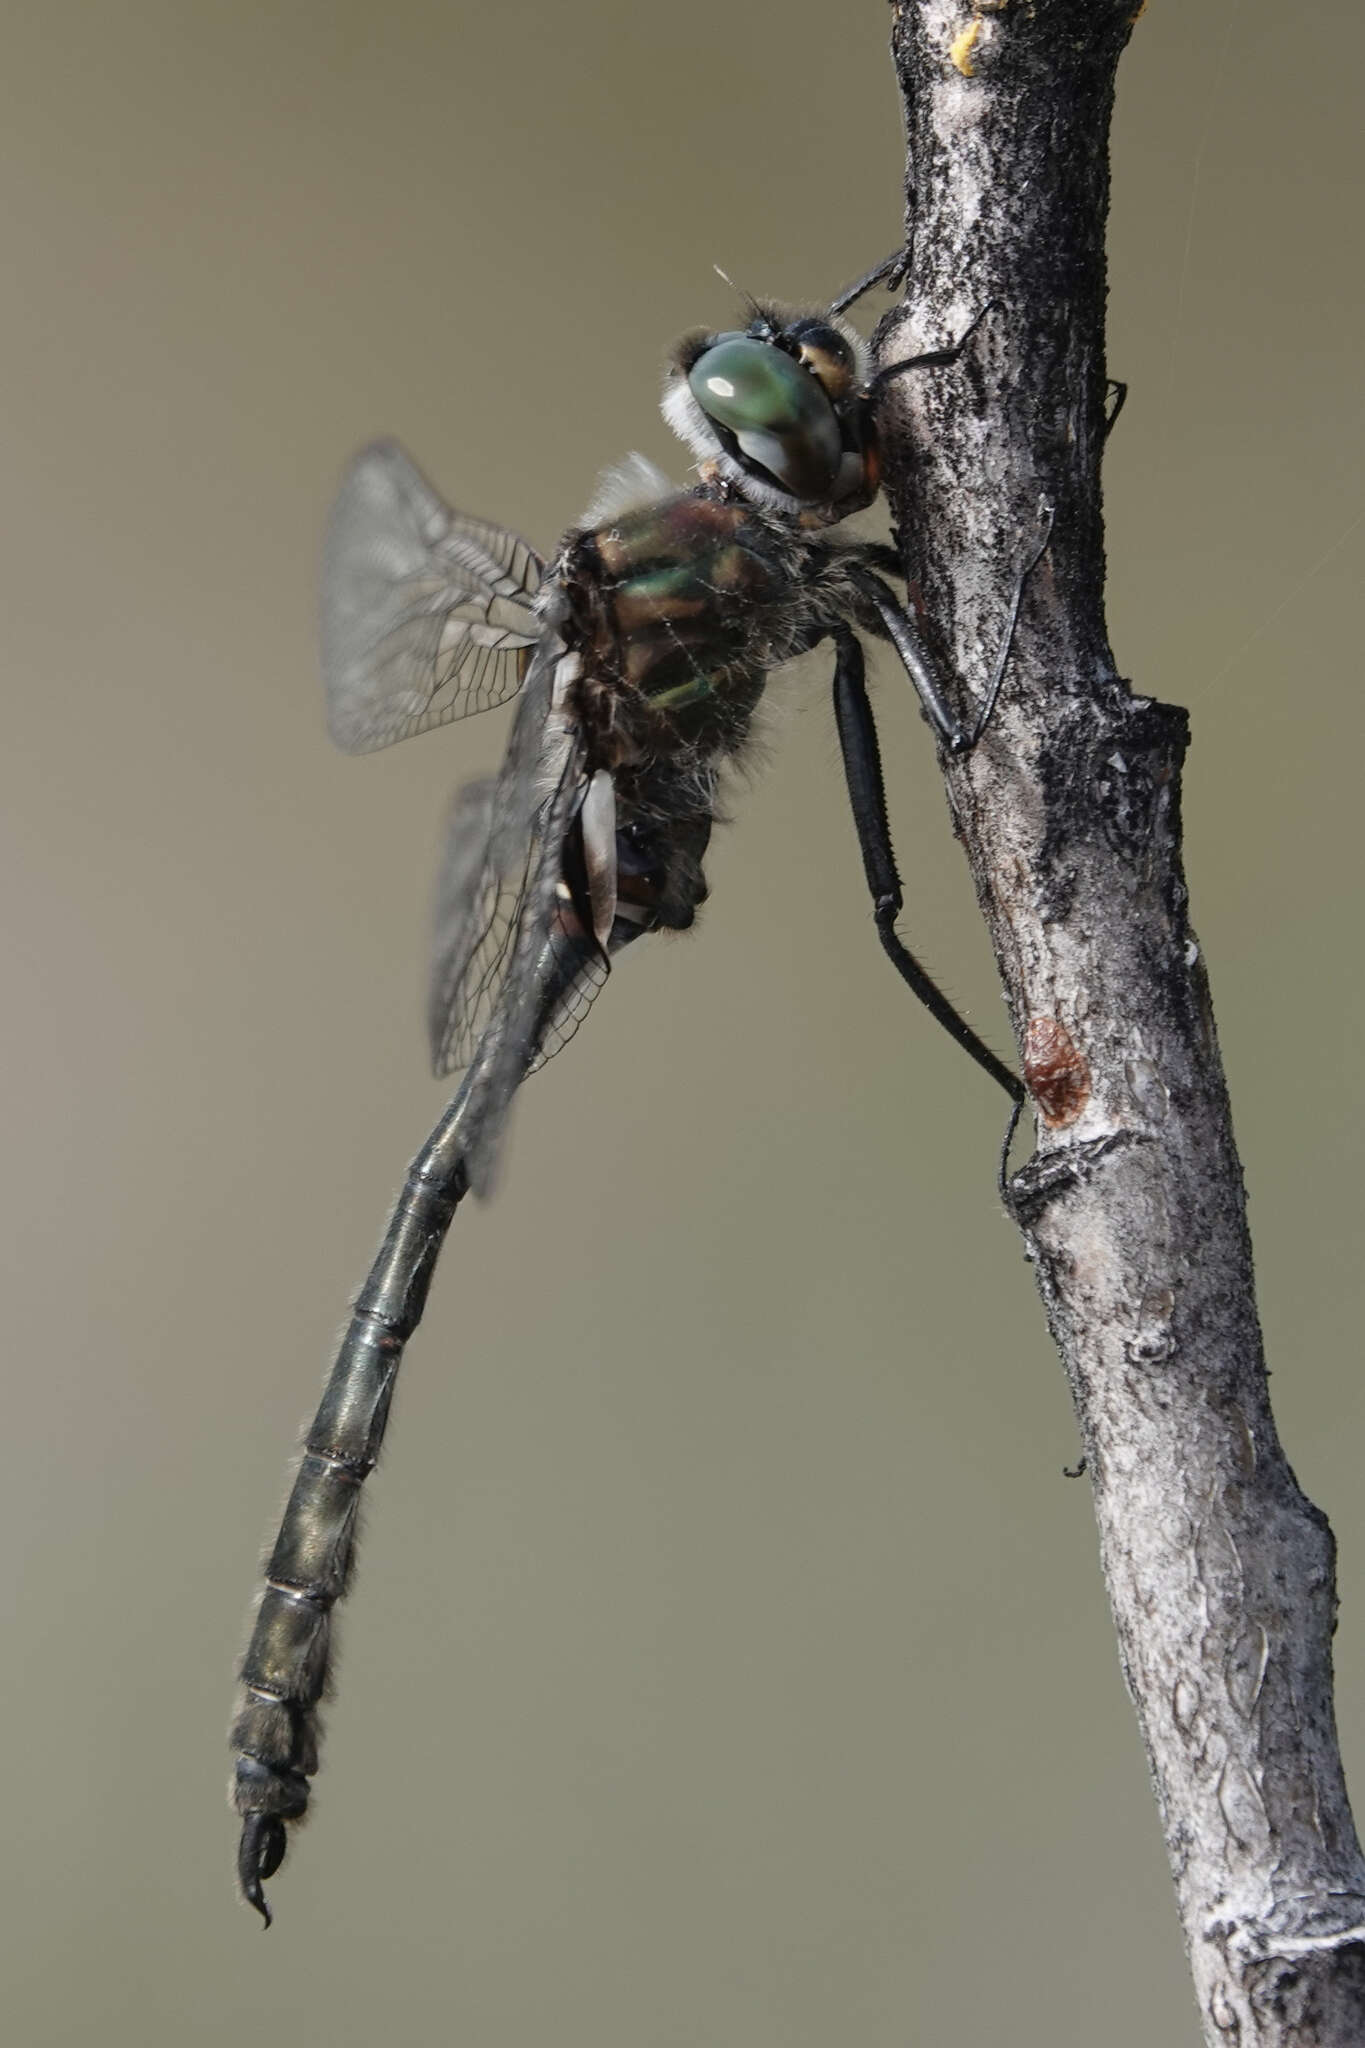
x,y
729,1662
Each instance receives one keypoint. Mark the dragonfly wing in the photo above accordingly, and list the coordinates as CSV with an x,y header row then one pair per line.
x,y
482,886
517,961
473,925
587,971
549,957
581,964
427,614
485,869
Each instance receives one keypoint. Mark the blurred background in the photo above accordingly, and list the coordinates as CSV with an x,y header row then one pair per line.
x,y
729,1661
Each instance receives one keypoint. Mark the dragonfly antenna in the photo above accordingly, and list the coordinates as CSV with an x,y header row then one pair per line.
x,y
747,297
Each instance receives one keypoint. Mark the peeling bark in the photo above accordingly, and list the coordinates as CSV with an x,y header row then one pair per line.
x,y
1220,1572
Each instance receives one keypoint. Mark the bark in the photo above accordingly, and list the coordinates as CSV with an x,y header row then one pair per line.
x,y
1219,1570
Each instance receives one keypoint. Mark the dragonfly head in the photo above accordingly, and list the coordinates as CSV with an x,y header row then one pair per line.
x,y
780,409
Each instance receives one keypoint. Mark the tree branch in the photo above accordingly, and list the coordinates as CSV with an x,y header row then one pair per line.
x,y
1219,1570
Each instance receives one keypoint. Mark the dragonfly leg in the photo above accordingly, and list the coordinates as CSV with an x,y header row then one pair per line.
x,y
933,358
1116,391
903,631
1045,518
867,796
879,555
1002,1172
890,272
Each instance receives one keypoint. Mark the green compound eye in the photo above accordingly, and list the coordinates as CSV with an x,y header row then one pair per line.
x,y
775,409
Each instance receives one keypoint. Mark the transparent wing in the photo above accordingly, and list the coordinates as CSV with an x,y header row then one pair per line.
x,y
426,613
548,955
475,917
580,970
484,871
481,908
487,962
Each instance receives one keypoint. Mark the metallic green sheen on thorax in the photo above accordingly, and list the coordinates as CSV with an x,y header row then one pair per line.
x,y
668,597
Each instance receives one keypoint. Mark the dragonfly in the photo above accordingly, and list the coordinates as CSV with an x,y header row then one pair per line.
x,y
637,657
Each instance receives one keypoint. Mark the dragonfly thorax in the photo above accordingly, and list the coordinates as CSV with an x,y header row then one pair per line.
x,y
670,603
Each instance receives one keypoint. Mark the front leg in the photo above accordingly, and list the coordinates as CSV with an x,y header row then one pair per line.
x,y
890,273
932,358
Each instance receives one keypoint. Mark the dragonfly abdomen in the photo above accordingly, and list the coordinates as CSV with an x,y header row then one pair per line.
x,y
285,1670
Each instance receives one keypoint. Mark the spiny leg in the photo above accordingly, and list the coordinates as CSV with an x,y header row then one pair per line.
x,y
880,555
1045,518
933,358
902,630
867,796
897,624
1002,1171
890,272
1117,391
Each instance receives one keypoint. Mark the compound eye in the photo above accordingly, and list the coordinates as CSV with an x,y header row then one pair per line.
x,y
777,411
